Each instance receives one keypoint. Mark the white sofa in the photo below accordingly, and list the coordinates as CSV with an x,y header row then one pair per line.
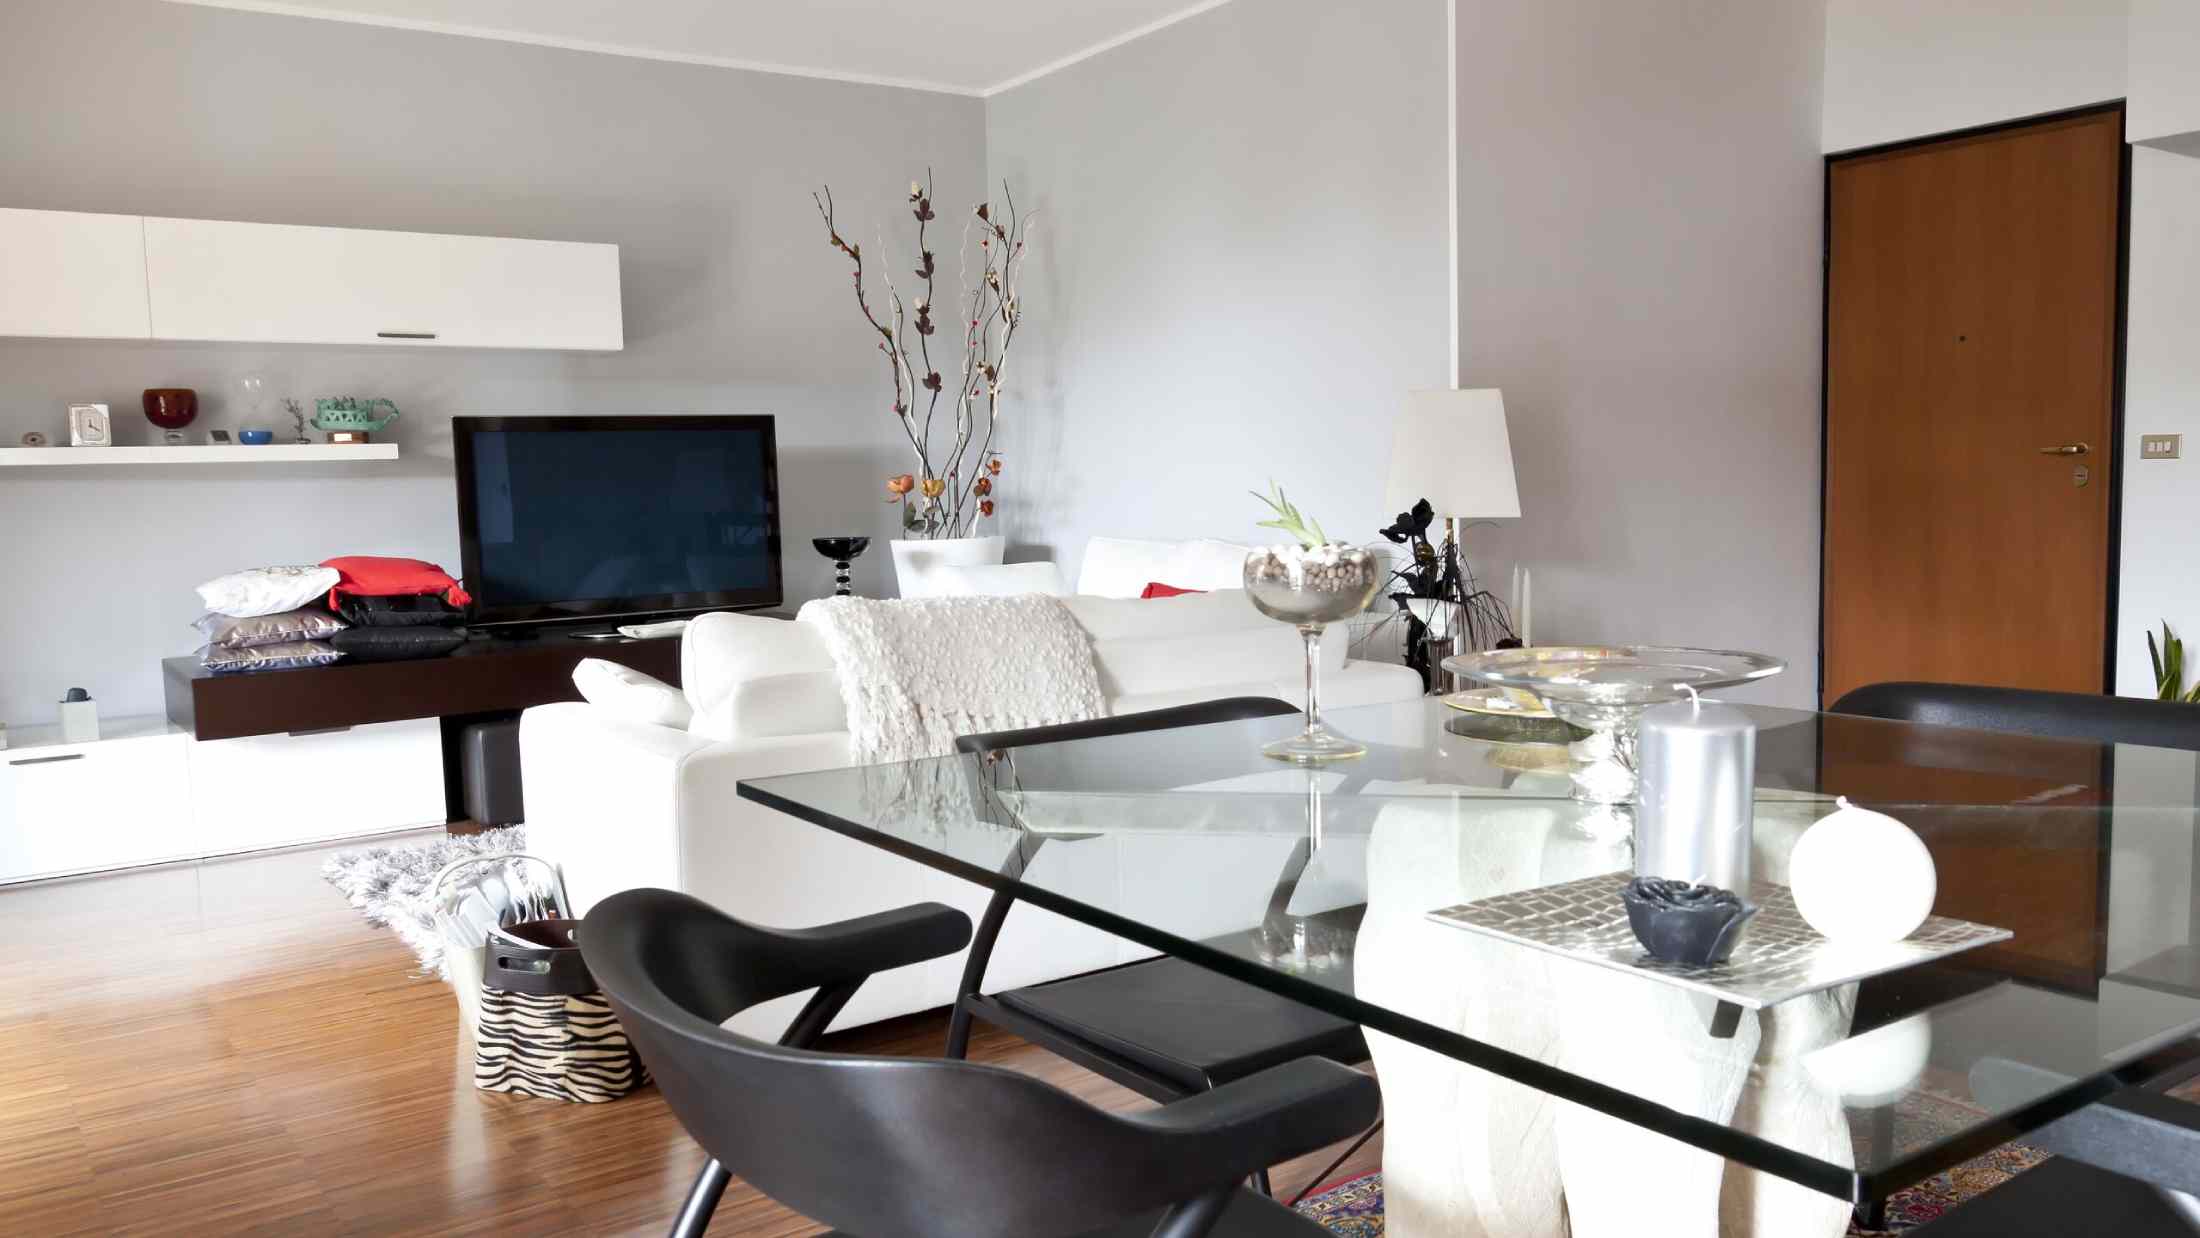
x,y
619,803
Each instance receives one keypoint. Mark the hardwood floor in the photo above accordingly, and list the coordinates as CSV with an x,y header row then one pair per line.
x,y
226,1047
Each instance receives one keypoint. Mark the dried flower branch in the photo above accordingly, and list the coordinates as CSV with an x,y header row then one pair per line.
x,y
953,485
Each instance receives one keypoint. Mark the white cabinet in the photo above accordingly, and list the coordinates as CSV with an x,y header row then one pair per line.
x,y
72,808
72,275
273,283
2163,104
275,790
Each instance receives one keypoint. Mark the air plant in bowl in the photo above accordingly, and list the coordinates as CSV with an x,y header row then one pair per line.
x,y
1685,923
1309,584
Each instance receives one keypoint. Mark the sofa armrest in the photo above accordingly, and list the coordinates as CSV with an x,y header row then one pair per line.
x,y
600,795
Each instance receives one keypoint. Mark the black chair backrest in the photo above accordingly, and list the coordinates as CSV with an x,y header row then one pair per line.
x,y
911,1147
1199,713
2023,711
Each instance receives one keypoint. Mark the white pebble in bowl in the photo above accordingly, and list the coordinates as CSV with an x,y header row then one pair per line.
x,y
1862,876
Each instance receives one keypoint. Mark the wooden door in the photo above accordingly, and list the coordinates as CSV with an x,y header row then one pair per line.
x,y
1971,306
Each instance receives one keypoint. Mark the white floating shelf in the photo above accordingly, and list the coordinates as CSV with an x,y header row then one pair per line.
x,y
270,453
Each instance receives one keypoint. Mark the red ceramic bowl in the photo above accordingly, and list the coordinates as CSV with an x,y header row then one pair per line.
x,y
171,408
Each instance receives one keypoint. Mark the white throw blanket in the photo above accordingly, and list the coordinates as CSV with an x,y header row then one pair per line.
x,y
915,674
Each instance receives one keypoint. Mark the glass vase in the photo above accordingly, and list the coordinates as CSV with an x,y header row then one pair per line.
x,y
1311,587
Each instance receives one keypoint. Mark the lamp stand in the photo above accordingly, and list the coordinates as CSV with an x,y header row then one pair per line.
x,y
1455,531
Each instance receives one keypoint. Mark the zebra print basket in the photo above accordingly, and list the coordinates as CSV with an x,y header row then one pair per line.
x,y
546,1029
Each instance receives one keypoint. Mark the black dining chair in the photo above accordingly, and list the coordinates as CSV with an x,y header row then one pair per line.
x,y
2109,1175
922,1148
2025,711
1164,1028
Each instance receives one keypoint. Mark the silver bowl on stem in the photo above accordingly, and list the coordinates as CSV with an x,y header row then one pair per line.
x,y
1604,689
1311,587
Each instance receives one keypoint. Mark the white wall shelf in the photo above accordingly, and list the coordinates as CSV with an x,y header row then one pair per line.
x,y
270,453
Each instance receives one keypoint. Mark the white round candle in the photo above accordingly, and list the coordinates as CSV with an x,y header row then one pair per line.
x,y
1862,876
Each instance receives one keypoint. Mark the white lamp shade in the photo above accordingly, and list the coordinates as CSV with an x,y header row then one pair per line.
x,y
1451,448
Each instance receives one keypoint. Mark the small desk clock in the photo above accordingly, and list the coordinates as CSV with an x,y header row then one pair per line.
x,y
88,426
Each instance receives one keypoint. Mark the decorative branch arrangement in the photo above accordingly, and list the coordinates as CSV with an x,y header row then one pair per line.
x,y
956,475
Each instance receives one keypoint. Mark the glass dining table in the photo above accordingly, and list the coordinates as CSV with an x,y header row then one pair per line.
x,y
1521,1085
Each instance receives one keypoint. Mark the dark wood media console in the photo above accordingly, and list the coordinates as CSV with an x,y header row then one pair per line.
x,y
487,678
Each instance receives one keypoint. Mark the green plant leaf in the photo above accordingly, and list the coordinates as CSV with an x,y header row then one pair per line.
x,y
1288,518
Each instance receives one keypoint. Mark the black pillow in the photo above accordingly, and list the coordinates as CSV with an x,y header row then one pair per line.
x,y
395,612
369,644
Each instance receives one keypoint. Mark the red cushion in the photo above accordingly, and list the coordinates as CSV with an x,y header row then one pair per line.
x,y
1155,589
376,576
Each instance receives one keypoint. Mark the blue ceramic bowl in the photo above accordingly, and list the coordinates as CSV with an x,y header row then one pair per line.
x,y
255,438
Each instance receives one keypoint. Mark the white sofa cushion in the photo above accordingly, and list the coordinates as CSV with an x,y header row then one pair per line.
x,y
1122,567
1000,580
724,657
1236,636
627,693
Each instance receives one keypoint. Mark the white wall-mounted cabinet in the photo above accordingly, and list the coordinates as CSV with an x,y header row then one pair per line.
x,y
273,283
2163,109
72,275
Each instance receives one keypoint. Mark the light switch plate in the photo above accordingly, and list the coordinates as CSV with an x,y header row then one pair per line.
x,y
2161,446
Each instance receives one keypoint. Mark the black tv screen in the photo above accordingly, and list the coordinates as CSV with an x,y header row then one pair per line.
x,y
616,517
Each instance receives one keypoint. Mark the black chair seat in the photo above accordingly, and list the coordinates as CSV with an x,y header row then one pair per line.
x,y
1249,1216
1191,1026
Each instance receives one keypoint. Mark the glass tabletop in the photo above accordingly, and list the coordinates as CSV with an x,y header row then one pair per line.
x,y
1319,882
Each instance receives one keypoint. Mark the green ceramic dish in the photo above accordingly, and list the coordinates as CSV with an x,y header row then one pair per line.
x,y
347,413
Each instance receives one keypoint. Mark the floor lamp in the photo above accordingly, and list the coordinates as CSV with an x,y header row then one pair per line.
x,y
1451,448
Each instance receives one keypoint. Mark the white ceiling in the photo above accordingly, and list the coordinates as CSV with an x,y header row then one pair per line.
x,y
973,47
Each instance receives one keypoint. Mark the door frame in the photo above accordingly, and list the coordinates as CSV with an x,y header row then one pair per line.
x,y
2115,452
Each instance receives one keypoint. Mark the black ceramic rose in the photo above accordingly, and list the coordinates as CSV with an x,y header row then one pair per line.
x,y
1681,922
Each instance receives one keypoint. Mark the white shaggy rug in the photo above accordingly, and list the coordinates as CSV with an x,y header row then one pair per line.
x,y
389,885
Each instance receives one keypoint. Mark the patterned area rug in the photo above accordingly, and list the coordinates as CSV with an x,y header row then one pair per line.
x,y
1353,1208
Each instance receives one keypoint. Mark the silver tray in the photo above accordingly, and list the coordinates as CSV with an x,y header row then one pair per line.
x,y
1780,955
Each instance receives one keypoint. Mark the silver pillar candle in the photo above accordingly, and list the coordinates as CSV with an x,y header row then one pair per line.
x,y
1698,764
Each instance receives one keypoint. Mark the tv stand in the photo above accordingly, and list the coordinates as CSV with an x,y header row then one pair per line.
x,y
488,677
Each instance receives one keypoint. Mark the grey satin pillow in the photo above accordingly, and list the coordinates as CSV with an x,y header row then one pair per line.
x,y
269,657
306,623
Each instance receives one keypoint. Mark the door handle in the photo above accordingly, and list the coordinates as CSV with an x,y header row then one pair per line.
x,y
2067,449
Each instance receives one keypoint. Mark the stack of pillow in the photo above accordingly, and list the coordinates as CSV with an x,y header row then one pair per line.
x,y
363,607
395,608
267,618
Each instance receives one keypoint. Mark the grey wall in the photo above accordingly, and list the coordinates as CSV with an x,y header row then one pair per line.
x,y
1240,268
701,175
1639,225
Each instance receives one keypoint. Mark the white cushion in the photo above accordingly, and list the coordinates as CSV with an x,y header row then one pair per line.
x,y
999,580
1122,567
1208,564
722,651
268,590
1237,633
629,694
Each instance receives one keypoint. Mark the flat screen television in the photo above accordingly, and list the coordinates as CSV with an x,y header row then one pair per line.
x,y
578,518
